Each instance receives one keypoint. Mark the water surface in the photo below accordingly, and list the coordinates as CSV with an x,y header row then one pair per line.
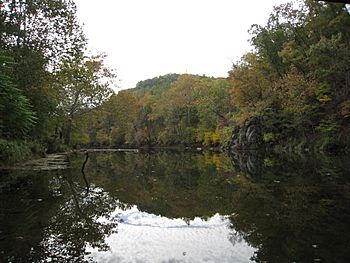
x,y
178,207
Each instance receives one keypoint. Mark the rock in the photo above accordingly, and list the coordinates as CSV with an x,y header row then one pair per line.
x,y
248,136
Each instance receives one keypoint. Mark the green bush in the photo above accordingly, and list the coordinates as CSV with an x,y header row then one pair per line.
x,y
329,130
12,151
16,150
269,137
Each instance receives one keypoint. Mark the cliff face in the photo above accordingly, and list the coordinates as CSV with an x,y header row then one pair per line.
x,y
254,135
248,136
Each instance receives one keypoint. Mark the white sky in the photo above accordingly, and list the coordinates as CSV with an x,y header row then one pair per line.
x,y
148,38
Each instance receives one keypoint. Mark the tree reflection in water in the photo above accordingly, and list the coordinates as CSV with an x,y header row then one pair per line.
x,y
170,184
289,208
52,217
77,224
293,209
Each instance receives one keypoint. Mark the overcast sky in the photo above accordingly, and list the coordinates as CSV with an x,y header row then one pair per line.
x,y
147,38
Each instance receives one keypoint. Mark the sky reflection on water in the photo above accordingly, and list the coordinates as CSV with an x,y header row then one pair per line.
x,y
178,207
144,237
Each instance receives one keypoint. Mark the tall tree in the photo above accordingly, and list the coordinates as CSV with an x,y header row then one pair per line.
x,y
39,34
83,83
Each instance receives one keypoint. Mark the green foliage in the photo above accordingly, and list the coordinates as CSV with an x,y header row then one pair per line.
x,y
297,79
225,136
47,82
12,151
39,35
157,84
295,82
177,110
83,84
54,145
16,115
79,137
330,133
116,137
268,137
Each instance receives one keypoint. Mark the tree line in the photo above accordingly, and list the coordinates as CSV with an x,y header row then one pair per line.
x,y
175,110
294,83
47,77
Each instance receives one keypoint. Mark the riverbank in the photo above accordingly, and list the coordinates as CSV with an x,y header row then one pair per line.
x,y
36,154
14,151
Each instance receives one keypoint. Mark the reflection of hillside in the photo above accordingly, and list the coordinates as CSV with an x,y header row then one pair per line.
x,y
289,208
295,210
169,184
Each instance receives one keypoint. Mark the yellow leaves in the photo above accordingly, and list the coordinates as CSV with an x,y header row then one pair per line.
x,y
215,137
323,93
324,99
207,138
102,137
212,138
217,160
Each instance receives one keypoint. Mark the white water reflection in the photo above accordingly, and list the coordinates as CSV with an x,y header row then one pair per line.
x,y
144,237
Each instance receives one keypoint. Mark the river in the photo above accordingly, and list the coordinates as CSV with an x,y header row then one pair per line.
x,y
174,206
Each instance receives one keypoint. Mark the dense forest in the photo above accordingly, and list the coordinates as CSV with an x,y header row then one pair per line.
x,y
291,91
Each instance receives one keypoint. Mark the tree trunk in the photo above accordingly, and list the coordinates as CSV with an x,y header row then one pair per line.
x,y
68,132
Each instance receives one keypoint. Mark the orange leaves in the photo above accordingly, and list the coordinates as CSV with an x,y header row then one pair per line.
x,y
252,82
295,92
344,109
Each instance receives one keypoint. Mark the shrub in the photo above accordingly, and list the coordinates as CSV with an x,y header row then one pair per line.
x,y
12,151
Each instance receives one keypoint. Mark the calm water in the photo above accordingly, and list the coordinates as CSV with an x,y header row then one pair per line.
x,y
178,207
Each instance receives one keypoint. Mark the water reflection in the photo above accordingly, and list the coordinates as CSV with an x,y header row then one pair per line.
x,y
144,237
294,209
49,217
178,207
175,185
75,226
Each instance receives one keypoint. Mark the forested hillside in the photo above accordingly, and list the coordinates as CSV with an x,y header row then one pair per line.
x,y
291,89
165,111
295,84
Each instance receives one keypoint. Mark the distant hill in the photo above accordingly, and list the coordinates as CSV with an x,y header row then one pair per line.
x,y
157,83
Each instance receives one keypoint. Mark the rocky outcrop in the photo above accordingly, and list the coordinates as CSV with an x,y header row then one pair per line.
x,y
248,136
